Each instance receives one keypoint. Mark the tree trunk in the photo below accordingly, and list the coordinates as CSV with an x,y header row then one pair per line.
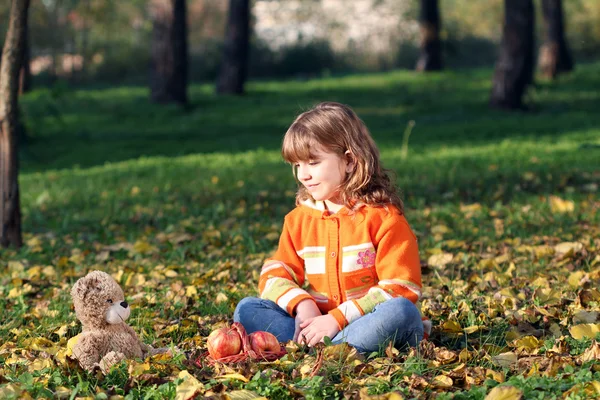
x,y
514,68
25,74
169,52
431,45
234,62
555,56
12,53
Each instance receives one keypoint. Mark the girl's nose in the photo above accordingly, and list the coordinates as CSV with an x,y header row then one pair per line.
x,y
303,174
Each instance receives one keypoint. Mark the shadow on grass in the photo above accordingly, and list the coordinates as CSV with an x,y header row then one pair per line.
x,y
88,128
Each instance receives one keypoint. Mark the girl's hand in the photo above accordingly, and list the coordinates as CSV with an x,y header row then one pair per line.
x,y
313,330
305,310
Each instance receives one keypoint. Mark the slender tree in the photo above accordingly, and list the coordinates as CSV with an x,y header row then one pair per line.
x,y
431,45
514,68
12,55
25,74
555,56
234,62
169,75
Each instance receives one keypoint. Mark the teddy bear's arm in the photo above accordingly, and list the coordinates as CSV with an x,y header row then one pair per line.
x,y
89,349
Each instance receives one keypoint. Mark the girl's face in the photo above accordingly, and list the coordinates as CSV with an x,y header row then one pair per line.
x,y
323,176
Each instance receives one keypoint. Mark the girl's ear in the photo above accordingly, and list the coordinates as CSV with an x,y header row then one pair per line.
x,y
350,161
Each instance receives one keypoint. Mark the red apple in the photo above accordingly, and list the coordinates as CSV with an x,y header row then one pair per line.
x,y
224,342
262,341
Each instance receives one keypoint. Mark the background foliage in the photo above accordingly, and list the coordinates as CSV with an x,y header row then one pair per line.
x,y
112,38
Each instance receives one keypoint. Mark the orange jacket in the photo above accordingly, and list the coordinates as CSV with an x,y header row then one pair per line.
x,y
352,262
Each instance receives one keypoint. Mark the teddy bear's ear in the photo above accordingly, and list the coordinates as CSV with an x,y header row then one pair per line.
x,y
83,287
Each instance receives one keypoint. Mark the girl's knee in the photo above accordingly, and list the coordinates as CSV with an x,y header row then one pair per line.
x,y
243,307
403,307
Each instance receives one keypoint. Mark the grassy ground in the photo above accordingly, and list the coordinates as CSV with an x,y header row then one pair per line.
x,y
183,206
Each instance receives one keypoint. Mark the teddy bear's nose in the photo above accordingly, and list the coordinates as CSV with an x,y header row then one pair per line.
x,y
124,304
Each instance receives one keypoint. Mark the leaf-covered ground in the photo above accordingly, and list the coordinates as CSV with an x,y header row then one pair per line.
x,y
505,206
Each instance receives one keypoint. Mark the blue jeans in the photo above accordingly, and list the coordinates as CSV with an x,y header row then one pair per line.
x,y
397,319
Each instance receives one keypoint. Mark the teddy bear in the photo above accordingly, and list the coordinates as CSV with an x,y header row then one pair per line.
x,y
105,339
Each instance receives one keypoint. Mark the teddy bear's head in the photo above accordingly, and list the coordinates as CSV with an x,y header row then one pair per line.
x,y
99,300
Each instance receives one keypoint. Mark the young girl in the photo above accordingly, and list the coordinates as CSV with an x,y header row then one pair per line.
x,y
347,237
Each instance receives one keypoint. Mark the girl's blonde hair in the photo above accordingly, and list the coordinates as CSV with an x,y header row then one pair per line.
x,y
336,128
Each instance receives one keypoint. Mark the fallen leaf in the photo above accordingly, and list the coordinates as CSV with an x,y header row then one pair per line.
x,y
584,330
504,393
189,387
440,260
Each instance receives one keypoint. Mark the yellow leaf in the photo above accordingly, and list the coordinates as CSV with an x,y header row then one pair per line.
x,y
49,271
62,392
440,260
527,343
584,330
76,256
567,249
592,388
71,343
452,327
40,364
62,331
504,393
191,291
442,382
189,387
547,296
470,208
473,329
221,298
11,391
39,344
494,375
143,247
135,280
243,395
135,191
34,272
136,369
558,205
170,273
575,279
233,376
440,229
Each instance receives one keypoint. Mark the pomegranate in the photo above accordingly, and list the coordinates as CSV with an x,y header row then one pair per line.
x,y
262,341
224,342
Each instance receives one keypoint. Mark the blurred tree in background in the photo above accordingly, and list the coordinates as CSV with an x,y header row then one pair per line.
x,y
12,56
555,56
108,41
168,82
431,44
234,63
514,68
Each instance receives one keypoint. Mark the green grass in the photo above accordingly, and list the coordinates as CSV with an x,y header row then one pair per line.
x,y
203,193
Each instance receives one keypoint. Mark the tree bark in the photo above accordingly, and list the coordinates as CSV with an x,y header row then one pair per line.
x,y
12,53
514,68
431,45
25,74
169,74
234,62
555,56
